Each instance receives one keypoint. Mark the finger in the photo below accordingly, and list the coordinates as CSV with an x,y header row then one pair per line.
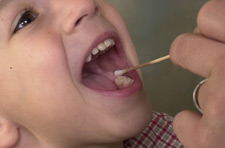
x,y
186,128
196,53
194,131
197,31
211,20
212,95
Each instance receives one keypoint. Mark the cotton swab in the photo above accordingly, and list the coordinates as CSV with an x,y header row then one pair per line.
x,y
123,71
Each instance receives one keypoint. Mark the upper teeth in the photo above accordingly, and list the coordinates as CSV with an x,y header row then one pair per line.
x,y
104,46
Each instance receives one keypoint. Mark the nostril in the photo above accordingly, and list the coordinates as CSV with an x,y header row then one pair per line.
x,y
79,20
97,11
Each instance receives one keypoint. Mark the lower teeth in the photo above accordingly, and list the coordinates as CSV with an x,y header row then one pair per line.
x,y
123,82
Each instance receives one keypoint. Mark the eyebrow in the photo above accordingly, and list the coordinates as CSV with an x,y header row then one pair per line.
x,y
3,3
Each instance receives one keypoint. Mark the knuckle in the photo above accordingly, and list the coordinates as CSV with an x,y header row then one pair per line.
x,y
207,138
210,19
219,67
216,109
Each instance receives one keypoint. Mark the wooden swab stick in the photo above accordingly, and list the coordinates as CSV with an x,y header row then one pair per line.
x,y
123,71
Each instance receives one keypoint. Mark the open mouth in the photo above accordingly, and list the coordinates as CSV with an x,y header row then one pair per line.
x,y
103,60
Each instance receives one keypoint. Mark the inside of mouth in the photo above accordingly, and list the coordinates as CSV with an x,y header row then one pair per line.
x,y
99,73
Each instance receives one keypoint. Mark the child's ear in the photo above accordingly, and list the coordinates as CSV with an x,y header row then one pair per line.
x,y
8,134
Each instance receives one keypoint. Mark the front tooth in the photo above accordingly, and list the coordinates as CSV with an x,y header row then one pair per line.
x,y
108,43
95,51
123,82
112,42
101,46
89,58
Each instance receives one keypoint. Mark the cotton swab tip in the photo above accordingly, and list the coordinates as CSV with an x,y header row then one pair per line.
x,y
119,72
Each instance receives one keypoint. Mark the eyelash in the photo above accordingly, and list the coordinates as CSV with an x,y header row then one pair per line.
x,y
31,15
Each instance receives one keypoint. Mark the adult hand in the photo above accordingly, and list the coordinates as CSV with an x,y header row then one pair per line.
x,y
203,53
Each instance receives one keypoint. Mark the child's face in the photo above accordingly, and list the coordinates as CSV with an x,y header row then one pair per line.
x,y
46,85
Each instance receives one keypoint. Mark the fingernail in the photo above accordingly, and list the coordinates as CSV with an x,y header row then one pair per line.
x,y
197,30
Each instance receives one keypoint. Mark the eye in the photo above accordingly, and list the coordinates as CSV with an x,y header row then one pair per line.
x,y
26,18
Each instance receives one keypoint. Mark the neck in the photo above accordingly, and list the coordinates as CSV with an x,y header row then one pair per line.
x,y
117,145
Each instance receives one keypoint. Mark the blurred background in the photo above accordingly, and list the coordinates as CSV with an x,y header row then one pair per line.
x,y
153,25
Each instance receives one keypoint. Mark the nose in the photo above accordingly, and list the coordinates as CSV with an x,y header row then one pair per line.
x,y
78,11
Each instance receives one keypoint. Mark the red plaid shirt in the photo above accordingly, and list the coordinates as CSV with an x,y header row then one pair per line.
x,y
159,134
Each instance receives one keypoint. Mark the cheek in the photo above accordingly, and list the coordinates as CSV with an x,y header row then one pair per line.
x,y
47,91
42,63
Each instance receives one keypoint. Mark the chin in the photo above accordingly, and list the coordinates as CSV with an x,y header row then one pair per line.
x,y
131,121
138,119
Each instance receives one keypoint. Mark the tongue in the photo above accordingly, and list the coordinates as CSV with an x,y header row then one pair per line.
x,y
98,74
99,82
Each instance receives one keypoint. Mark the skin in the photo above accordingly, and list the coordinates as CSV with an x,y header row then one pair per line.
x,y
59,113
42,103
202,52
